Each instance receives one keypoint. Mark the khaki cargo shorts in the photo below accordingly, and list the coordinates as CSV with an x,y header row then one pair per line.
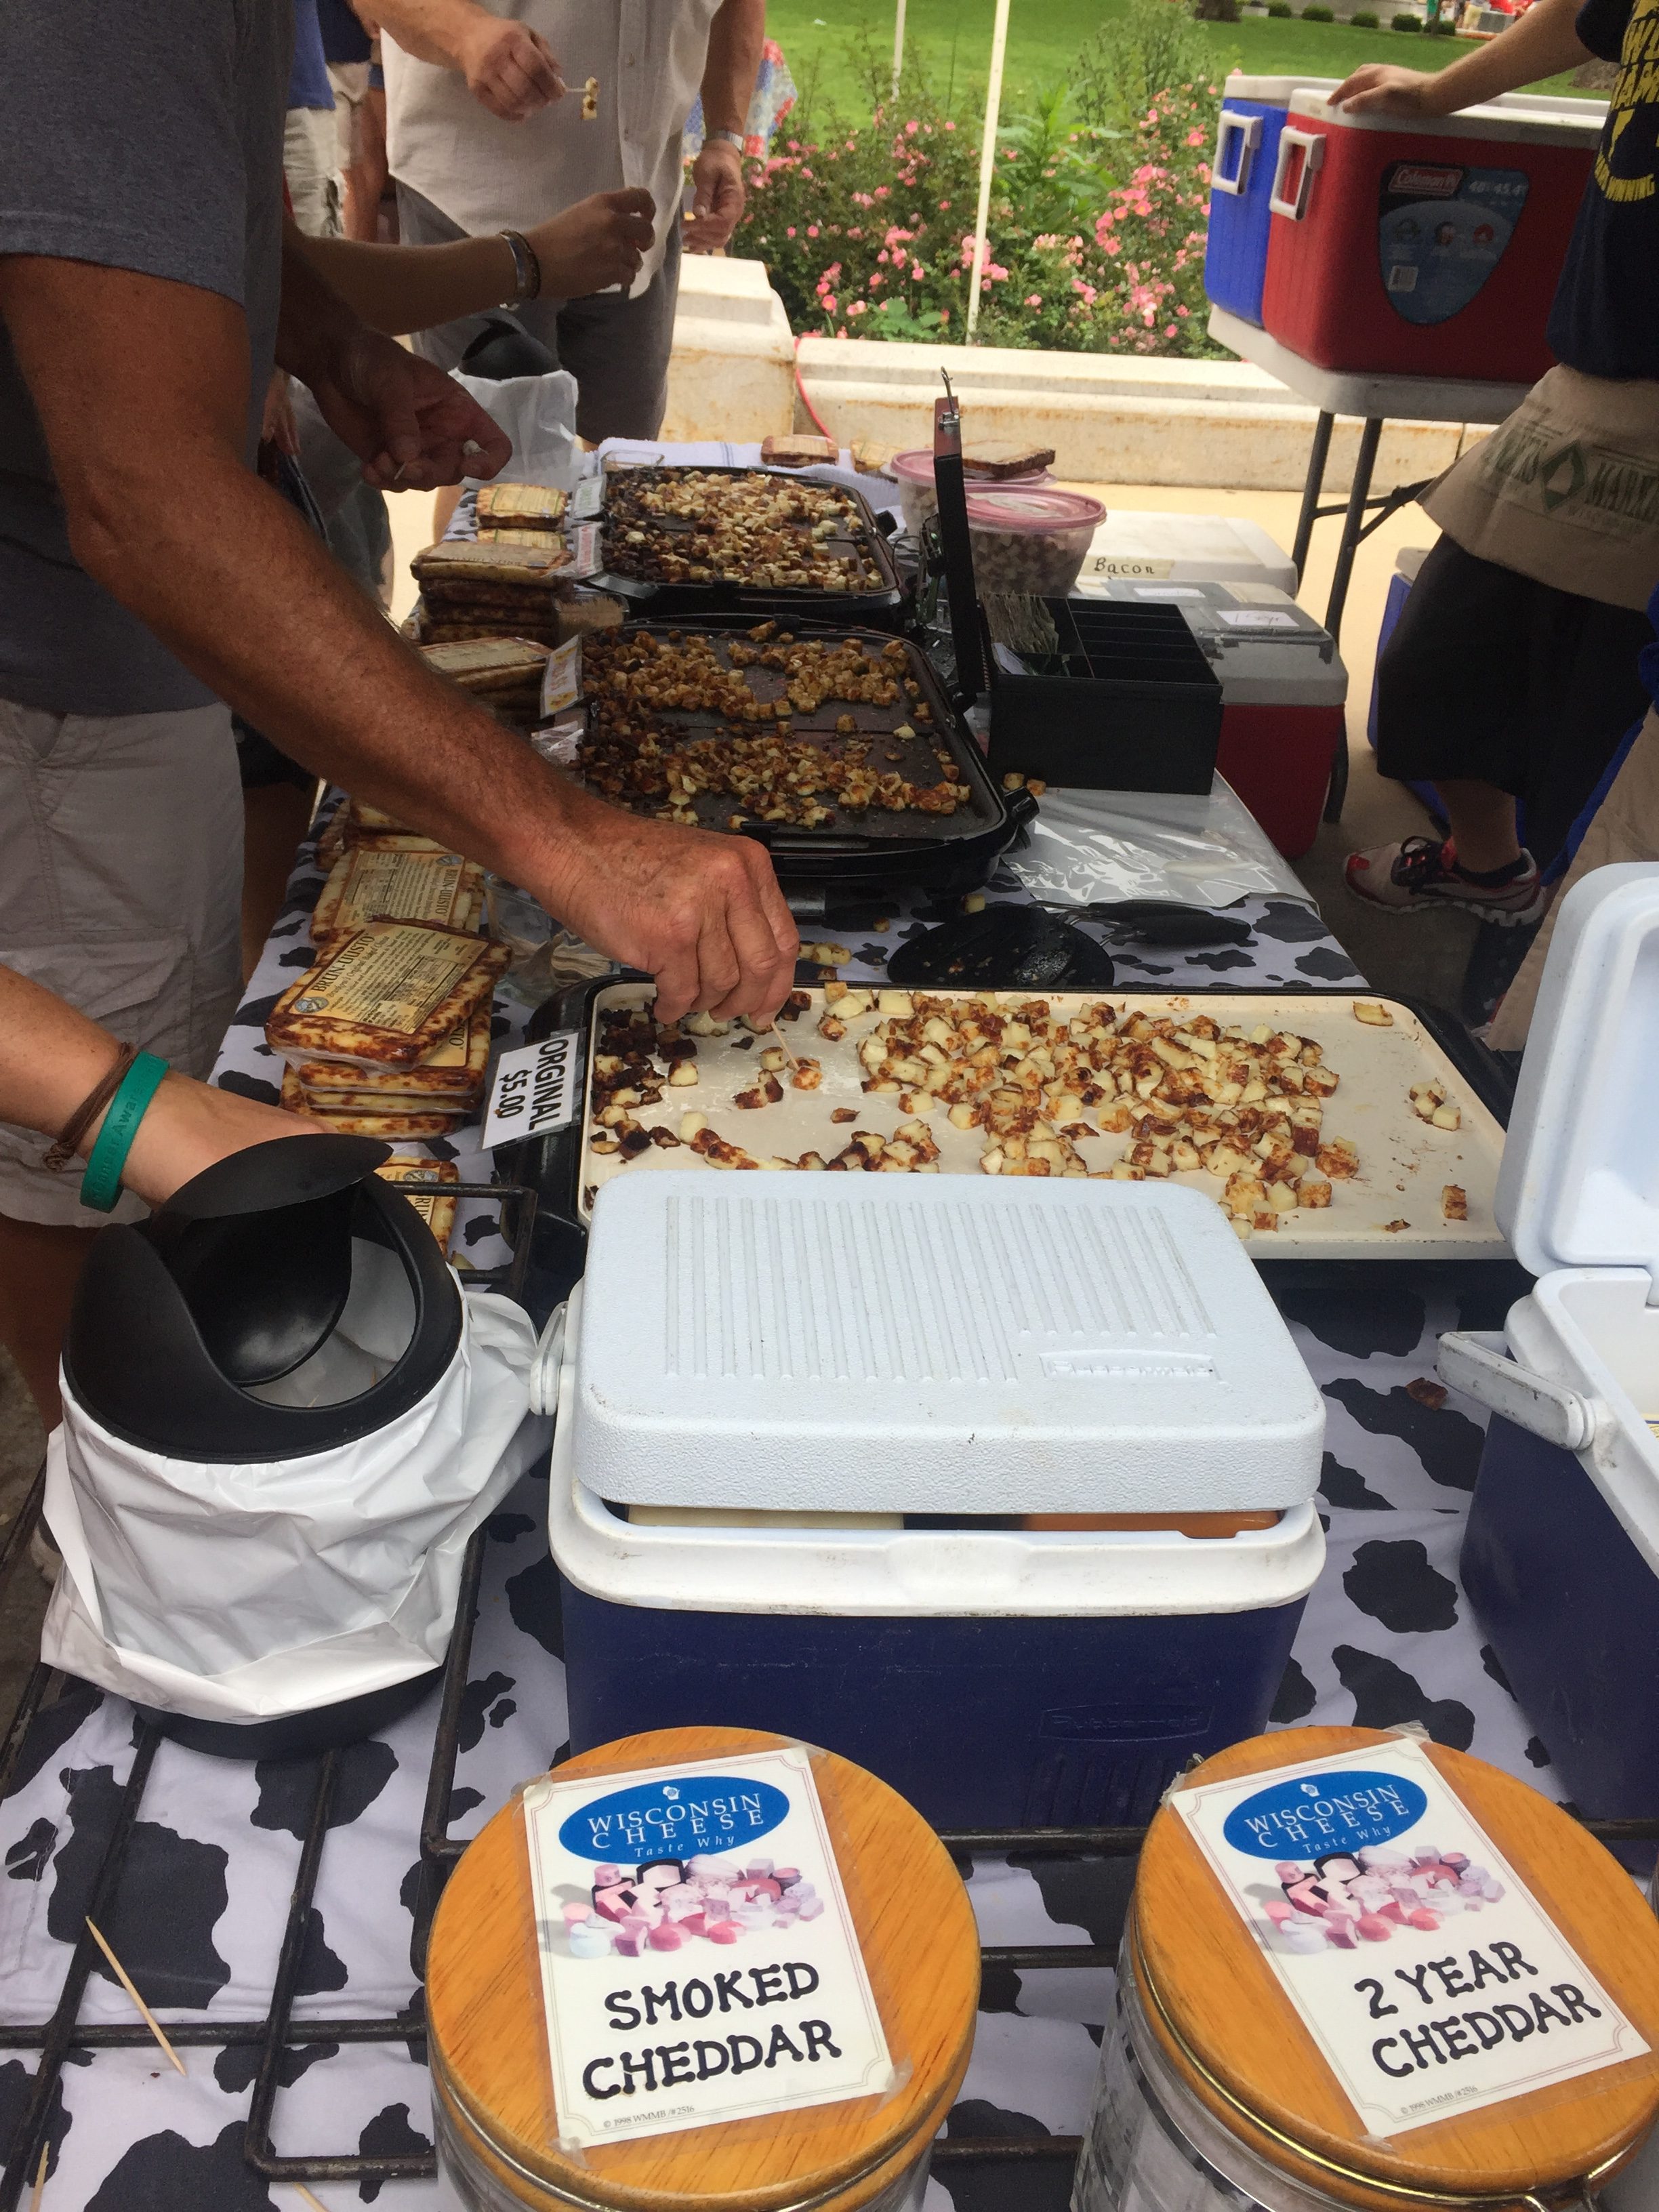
x,y
120,889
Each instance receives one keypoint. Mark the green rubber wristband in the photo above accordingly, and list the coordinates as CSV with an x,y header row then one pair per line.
x,y
101,1186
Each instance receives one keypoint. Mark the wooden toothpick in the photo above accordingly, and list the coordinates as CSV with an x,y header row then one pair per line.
x,y
126,1980
316,2202
787,1055
39,2188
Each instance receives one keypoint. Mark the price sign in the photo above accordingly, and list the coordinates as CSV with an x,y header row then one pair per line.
x,y
535,1090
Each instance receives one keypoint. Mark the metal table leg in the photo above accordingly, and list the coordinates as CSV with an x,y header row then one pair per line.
x,y
1353,529
1313,485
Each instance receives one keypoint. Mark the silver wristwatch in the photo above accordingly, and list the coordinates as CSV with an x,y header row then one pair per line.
x,y
728,137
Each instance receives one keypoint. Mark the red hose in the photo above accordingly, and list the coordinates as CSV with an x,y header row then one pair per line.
x,y
806,403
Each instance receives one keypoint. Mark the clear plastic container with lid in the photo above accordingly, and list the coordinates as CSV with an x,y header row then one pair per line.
x,y
915,473
1031,538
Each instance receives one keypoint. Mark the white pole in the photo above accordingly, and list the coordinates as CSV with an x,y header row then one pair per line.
x,y
898,47
988,154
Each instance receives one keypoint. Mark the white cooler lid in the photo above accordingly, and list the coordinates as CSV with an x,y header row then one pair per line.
x,y
1541,121
1273,91
1579,1184
872,1343
1156,548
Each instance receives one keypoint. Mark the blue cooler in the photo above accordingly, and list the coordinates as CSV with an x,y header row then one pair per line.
x,y
1240,183
1561,1556
810,1428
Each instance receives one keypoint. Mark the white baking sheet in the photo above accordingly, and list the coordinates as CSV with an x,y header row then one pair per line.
x,y
1403,1162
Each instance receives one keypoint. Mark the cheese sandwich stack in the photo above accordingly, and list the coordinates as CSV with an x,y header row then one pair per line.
x,y
502,673
470,589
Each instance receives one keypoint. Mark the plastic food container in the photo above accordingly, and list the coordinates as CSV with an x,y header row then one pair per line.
x,y
1031,538
915,473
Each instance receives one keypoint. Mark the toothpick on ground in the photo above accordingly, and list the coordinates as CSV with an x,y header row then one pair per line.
x,y
316,2202
39,2188
126,1980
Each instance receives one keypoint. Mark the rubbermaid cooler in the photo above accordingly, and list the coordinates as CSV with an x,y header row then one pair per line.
x,y
805,1423
1283,690
1241,182
1150,547
1561,1553
1427,249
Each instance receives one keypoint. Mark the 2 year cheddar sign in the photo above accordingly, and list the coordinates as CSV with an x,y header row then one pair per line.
x,y
689,1975
1428,1975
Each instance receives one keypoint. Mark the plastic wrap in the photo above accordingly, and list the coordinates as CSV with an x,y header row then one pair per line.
x,y
237,1593
1092,845
538,414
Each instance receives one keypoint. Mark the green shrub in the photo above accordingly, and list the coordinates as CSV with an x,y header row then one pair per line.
x,y
1319,13
1442,28
1281,8
1406,23
1134,58
1362,19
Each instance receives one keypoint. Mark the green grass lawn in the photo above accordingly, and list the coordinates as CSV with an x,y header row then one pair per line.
x,y
953,38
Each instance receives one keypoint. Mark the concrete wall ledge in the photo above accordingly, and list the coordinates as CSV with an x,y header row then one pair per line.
x,y
1111,418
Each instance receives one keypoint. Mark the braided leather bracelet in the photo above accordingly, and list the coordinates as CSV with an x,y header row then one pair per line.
x,y
87,1112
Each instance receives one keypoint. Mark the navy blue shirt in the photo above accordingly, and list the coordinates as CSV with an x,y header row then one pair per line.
x,y
344,39
308,82
1606,317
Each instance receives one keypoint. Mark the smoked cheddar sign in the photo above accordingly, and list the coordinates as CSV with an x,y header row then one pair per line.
x,y
698,1960
1430,1977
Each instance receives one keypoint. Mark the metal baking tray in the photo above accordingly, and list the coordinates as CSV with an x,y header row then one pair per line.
x,y
883,604
873,851
1403,1161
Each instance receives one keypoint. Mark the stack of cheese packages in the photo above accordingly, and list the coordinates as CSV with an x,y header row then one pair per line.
x,y
388,1033
502,673
500,583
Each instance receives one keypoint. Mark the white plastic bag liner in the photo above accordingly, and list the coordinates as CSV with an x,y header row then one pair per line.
x,y
1089,845
249,1592
539,413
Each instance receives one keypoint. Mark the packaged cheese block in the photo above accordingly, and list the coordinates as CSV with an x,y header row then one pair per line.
x,y
545,537
448,1079
489,664
409,1128
519,505
368,882
460,562
436,1210
384,998
798,453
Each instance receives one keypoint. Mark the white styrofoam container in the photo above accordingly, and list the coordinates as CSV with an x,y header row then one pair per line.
x,y
867,1344
1161,548
1578,1193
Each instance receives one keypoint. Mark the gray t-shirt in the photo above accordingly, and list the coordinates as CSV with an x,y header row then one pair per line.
x,y
145,136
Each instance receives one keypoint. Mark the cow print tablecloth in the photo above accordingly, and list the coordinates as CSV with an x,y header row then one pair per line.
x,y
1386,1638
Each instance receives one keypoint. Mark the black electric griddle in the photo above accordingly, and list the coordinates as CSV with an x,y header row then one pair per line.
x,y
872,851
882,603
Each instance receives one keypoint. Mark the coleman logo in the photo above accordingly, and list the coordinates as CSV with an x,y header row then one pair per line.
x,y
1425,183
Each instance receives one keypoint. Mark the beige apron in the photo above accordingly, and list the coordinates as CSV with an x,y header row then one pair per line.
x,y
1567,490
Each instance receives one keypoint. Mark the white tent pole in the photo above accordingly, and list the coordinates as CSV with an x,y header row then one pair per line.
x,y
988,154
898,47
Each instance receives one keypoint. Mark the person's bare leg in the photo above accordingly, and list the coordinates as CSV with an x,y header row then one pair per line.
x,y
40,1264
273,819
1482,821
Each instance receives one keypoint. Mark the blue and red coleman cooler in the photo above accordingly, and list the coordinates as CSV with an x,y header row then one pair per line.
x,y
1428,248
1241,180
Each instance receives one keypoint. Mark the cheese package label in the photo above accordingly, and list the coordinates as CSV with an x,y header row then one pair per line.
x,y
368,884
561,679
699,1960
437,1211
1429,1976
388,994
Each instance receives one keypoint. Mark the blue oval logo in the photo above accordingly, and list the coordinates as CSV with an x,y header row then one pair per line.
x,y
675,1819
1314,1814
